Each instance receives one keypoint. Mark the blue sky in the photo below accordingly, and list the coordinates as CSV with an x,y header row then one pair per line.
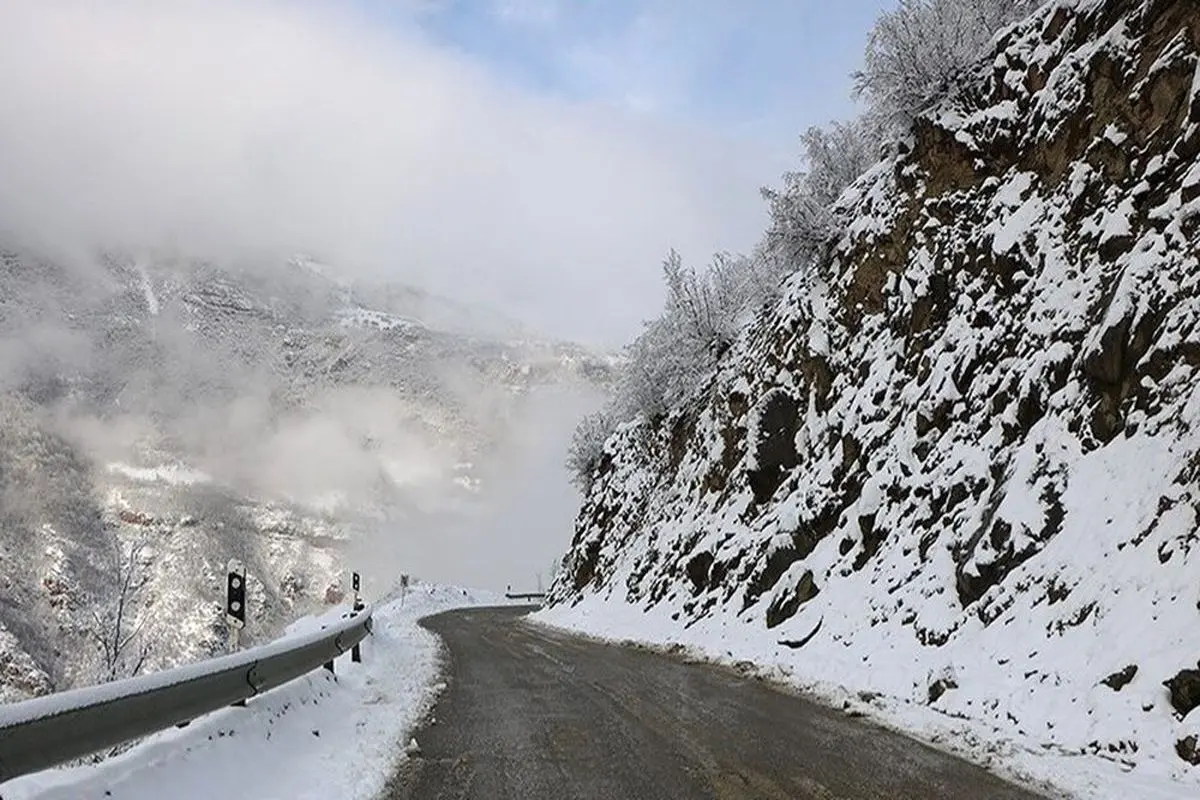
x,y
762,69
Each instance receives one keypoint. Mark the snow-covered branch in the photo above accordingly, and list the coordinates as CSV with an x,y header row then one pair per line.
x,y
916,53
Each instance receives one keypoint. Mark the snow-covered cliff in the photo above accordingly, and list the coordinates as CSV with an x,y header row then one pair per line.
x,y
958,464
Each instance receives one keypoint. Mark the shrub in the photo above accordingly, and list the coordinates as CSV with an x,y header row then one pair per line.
x,y
917,53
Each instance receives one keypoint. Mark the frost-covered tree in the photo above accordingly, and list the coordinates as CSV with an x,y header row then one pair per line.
x,y
45,478
700,319
705,308
702,307
650,373
703,312
914,56
587,446
916,53
801,212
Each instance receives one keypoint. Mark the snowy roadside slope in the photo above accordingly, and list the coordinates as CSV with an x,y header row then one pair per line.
x,y
1021,756
318,737
957,464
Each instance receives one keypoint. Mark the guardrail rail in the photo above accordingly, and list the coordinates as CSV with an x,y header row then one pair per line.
x,y
47,731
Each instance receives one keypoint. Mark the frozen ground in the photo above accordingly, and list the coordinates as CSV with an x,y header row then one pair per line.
x,y
823,675
317,737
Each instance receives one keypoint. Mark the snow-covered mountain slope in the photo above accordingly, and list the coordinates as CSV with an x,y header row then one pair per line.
x,y
203,411
318,737
958,466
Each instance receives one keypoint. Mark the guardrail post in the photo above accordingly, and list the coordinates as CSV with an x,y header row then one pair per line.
x,y
359,605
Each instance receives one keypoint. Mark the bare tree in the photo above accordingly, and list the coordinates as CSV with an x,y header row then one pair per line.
x,y
116,626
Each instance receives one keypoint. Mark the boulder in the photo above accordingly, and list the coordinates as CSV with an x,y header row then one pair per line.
x,y
1188,748
1185,690
1119,680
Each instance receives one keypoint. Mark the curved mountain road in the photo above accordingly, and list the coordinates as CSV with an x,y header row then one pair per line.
x,y
531,713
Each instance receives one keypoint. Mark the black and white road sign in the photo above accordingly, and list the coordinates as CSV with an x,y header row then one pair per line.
x,y
235,595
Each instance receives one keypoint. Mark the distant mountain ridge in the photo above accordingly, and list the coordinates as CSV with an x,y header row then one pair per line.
x,y
203,411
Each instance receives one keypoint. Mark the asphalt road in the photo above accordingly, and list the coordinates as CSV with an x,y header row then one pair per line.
x,y
531,713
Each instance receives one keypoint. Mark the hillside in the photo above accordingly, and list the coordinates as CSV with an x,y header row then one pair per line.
x,y
162,415
955,466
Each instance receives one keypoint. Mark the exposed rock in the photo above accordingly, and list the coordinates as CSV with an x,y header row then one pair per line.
x,y
779,560
1119,680
698,567
773,443
131,517
787,603
1185,690
938,686
1188,749
796,644
584,569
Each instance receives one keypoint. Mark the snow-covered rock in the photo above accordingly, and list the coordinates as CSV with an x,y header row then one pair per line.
x,y
966,480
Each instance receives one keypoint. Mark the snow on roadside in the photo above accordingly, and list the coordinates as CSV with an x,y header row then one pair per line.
x,y
729,642
318,737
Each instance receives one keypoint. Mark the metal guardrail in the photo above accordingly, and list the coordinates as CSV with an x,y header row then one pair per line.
x,y
525,595
46,731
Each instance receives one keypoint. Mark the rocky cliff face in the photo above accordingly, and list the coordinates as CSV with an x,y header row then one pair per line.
x,y
968,445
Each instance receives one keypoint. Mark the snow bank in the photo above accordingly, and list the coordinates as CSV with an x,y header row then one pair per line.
x,y
322,736
822,674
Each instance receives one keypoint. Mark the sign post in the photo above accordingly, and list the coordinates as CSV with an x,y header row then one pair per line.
x,y
235,601
235,605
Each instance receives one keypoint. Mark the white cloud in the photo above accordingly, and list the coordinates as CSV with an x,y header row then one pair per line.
x,y
237,128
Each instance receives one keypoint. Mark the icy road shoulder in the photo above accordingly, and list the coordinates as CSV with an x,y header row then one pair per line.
x,y
318,737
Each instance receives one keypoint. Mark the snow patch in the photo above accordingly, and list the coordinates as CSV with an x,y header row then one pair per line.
x,y
172,474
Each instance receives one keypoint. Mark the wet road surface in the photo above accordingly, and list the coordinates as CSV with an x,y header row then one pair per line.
x,y
533,714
